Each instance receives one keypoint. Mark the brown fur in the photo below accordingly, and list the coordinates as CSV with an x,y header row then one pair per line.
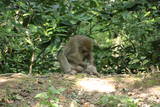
x,y
76,55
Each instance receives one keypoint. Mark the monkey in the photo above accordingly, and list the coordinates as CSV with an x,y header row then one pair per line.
x,y
76,56
79,49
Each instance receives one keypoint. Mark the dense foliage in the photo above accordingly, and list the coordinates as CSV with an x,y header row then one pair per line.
x,y
126,32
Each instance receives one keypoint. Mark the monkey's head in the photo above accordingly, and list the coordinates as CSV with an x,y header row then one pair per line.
x,y
86,47
84,51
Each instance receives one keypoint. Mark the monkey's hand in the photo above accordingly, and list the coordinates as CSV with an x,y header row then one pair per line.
x,y
83,65
92,70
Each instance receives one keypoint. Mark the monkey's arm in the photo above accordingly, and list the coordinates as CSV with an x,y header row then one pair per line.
x,y
91,59
75,59
64,62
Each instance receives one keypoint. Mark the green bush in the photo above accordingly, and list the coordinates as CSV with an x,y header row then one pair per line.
x,y
31,33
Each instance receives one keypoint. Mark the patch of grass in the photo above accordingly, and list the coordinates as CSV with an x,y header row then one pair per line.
x,y
81,75
49,98
147,82
116,101
155,105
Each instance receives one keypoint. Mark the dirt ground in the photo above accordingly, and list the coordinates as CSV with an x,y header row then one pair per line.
x,y
81,90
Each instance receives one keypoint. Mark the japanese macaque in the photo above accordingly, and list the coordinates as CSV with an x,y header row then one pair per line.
x,y
76,56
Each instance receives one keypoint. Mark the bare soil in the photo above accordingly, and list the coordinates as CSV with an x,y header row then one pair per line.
x,y
81,90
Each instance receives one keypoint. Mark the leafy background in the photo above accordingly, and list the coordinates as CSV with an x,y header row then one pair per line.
x,y
126,33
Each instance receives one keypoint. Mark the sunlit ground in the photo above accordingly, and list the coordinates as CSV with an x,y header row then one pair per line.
x,y
151,91
11,78
96,84
3,80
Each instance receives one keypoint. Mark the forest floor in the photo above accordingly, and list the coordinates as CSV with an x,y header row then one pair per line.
x,y
81,90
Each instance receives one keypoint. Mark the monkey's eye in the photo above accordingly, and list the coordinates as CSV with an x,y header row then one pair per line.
x,y
84,51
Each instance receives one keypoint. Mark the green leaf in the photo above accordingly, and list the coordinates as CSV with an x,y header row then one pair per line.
x,y
18,97
33,28
29,41
62,89
42,95
54,105
52,90
145,61
73,22
134,61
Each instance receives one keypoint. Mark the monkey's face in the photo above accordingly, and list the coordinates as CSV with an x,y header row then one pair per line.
x,y
85,51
